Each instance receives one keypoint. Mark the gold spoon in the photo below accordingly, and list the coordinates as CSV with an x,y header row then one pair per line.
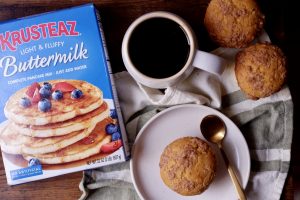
x,y
214,129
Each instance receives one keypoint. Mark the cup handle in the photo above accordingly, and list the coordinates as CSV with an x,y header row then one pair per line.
x,y
209,62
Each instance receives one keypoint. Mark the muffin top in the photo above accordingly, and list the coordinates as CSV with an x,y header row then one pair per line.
x,y
260,70
188,166
233,23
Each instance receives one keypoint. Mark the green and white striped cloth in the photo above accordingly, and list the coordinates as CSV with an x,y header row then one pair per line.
x,y
267,125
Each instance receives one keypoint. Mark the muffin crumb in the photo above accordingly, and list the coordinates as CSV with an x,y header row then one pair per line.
x,y
260,70
233,23
188,166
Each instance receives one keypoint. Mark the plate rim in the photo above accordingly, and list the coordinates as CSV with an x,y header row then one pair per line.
x,y
174,108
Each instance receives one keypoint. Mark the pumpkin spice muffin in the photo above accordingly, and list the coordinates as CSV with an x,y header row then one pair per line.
x,y
188,166
233,23
260,70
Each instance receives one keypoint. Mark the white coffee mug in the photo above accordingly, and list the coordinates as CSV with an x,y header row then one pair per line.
x,y
196,58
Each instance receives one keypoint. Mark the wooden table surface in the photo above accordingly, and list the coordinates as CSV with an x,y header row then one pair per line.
x,y
281,25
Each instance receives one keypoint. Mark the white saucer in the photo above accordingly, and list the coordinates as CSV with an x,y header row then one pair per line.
x,y
172,124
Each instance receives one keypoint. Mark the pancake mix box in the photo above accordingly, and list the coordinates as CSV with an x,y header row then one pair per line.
x,y
59,111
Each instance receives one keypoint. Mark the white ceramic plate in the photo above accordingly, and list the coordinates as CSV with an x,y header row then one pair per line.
x,y
172,124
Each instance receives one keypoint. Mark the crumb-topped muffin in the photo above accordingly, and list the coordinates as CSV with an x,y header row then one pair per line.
x,y
260,70
233,23
188,166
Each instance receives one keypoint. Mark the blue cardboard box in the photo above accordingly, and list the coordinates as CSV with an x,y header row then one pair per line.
x,y
59,110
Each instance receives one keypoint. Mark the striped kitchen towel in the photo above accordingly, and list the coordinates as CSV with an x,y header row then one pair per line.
x,y
267,125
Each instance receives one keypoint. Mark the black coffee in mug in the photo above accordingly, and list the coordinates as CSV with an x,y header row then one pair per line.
x,y
158,47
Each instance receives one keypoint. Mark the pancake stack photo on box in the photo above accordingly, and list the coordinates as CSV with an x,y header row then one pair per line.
x,y
58,125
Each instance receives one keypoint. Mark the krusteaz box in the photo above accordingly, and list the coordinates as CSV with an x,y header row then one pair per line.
x,y
59,111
